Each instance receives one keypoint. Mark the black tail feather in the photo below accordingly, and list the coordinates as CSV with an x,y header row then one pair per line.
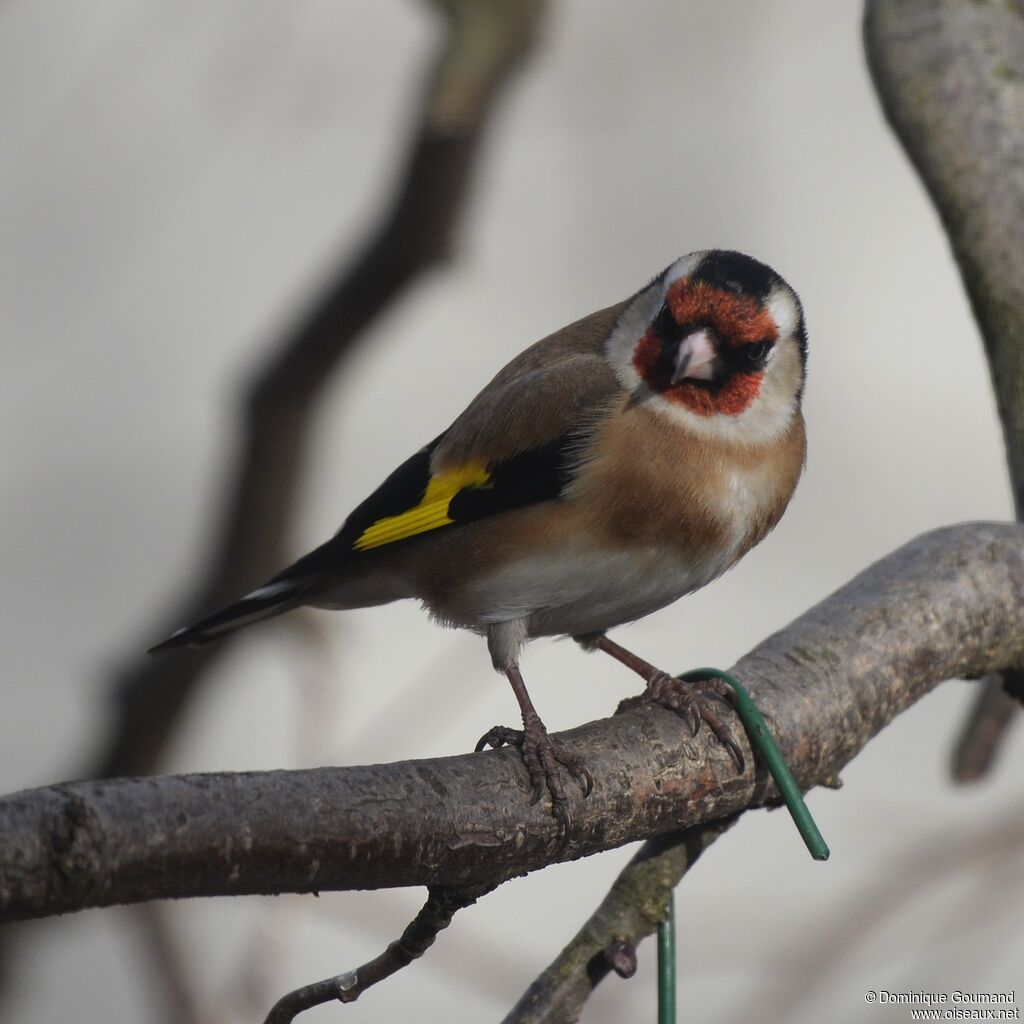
x,y
263,603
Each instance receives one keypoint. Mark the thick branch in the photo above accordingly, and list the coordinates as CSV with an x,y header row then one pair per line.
x,y
950,603
951,80
485,40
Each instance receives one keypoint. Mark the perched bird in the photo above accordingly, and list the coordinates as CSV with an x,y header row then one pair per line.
x,y
612,467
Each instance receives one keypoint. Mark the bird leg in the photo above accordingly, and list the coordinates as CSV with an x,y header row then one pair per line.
x,y
540,755
686,699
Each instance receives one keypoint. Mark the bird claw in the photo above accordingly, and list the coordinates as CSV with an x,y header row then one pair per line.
x,y
543,760
499,736
688,699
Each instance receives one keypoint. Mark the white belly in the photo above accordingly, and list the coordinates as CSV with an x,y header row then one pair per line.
x,y
580,591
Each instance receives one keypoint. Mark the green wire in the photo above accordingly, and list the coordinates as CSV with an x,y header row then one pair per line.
x,y
761,739
667,965
764,743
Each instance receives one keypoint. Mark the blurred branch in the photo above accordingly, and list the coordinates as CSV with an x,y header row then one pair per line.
x,y
993,712
950,603
829,947
950,77
170,975
482,43
485,40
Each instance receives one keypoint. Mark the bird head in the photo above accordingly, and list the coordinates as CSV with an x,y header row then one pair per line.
x,y
717,340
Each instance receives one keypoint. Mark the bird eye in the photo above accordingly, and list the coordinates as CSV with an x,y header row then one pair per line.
x,y
755,354
665,326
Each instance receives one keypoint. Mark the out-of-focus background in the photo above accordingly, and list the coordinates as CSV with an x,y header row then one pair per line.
x,y
176,179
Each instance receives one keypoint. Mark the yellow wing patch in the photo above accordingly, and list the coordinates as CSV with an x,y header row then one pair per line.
x,y
430,513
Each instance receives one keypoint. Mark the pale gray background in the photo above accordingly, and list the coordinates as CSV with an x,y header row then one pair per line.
x,y
175,177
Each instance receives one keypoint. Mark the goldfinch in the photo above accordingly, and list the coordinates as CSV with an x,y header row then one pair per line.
x,y
612,467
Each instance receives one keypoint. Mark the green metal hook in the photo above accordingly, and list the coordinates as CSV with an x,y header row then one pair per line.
x,y
761,739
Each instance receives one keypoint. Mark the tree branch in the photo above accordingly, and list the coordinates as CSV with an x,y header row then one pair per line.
x,y
435,915
950,603
950,77
485,41
994,711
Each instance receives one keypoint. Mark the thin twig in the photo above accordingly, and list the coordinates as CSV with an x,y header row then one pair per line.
x,y
435,915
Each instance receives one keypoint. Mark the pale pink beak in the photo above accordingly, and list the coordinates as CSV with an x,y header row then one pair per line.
x,y
697,358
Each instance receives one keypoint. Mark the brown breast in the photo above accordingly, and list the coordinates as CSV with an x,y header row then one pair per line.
x,y
651,482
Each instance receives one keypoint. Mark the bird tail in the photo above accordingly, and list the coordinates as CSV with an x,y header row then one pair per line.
x,y
263,603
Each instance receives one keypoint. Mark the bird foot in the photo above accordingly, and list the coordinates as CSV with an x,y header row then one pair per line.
x,y
689,700
542,758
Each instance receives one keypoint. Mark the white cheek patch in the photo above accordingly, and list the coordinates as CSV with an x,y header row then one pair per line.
x,y
631,326
783,309
637,317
